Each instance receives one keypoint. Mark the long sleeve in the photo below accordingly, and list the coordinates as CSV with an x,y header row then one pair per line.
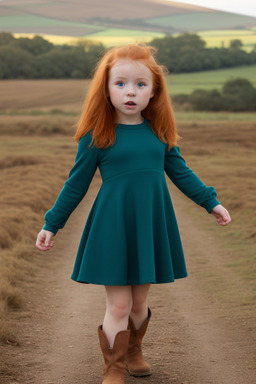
x,y
75,187
187,181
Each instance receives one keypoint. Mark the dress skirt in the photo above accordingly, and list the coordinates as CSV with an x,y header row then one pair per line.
x,y
131,236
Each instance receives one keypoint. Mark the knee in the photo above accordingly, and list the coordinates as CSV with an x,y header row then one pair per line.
x,y
120,308
139,304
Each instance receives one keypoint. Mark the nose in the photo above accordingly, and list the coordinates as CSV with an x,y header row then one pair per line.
x,y
130,91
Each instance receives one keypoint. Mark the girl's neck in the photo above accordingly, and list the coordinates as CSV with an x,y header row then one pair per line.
x,y
131,120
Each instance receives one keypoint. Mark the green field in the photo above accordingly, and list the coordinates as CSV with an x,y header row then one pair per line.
x,y
35,21
200,21
185,83
107,36
201,118
222,38
114,36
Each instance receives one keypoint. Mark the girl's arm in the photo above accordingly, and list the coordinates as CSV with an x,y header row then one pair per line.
x,y
190,184
75,187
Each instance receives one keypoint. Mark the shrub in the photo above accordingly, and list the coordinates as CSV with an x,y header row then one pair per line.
x,y
237,95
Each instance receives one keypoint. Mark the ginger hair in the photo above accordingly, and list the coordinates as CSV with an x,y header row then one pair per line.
x,y
98,114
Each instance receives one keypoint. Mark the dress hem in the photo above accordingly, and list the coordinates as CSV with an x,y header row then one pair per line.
x,y
149,281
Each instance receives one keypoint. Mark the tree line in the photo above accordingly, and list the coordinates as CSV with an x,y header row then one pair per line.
x,y
37,58
188,53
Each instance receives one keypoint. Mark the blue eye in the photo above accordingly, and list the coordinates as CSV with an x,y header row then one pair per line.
x,y
140,85
120,83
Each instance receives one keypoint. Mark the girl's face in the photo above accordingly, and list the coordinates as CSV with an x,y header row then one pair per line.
x,y
130,88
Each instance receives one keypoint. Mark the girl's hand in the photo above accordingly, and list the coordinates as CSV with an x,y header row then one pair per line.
x,y
221,214
44,240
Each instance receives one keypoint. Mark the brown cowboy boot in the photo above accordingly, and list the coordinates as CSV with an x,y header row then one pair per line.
x,y
135,362
115,367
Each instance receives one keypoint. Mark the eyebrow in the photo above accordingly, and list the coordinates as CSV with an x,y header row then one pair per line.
x,y
124,77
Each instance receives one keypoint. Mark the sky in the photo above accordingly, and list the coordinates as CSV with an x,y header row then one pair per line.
x,y
244,7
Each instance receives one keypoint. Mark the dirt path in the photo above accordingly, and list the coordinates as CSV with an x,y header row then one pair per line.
x,y
188,341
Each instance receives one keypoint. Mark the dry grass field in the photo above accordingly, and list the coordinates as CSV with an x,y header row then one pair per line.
x,y
30,177
224,154
37,152
32,170
23,95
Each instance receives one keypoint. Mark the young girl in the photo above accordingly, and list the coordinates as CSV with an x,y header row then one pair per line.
x,y
131,238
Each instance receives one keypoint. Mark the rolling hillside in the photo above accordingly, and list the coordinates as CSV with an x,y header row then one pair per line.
x,y
84,17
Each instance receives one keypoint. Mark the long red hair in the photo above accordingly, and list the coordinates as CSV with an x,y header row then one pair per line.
x,y
98,113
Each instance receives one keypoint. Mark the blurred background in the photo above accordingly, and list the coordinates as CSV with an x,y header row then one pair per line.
x,y
48,50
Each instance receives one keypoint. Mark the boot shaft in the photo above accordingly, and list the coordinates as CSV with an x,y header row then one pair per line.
x,y
115,358
136,364
137,335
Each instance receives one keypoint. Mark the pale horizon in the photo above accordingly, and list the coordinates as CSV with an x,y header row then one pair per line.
x,y
243,7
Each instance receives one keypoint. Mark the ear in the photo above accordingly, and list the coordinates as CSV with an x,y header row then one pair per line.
x,y
152,95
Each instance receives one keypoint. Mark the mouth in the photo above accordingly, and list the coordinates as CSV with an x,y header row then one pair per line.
x,y
130,103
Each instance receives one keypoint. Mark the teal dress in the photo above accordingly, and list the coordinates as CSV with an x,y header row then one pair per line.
x,y
131,235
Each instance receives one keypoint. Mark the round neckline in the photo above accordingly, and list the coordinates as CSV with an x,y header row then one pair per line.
x,y
132,126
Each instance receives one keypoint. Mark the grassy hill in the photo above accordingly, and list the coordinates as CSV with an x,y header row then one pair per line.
x,y
187,82
117,21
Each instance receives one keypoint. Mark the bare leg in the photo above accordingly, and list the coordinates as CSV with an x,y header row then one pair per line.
x,y
118,308
139,311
